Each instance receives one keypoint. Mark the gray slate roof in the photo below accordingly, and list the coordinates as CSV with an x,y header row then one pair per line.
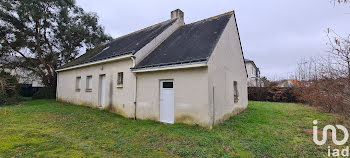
x,y
128,44
191,43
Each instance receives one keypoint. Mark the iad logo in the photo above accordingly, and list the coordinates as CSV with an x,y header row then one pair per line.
x,y
334,134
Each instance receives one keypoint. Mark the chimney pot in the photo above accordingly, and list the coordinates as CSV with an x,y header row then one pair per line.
x,y
177,14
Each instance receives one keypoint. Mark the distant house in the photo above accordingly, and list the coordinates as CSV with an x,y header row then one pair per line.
x,y
24,76
169,72
253,72
287,83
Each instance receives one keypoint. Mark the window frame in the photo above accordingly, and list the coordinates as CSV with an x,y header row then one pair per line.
x,y
168,84
78,83
88,81
120,79
235,91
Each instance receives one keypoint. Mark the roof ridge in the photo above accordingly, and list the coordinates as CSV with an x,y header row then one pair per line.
x,y
142,29
216,16
190,42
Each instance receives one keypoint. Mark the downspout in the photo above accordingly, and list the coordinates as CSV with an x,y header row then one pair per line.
x,y
213,107
135,88
133,61
135,93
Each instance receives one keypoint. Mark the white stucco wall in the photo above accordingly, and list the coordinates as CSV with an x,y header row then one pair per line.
x,y
118,99
190,95
198,92
226,65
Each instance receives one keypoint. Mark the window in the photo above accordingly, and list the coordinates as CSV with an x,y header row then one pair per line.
x,y
120,78
88,83
78,84
235,91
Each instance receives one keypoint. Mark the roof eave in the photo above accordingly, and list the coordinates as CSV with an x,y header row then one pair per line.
x,y
172,67
97,62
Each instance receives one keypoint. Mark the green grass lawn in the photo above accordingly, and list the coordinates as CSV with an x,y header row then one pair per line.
x,y
45,128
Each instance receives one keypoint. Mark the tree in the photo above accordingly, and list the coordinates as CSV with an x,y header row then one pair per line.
x,y
340,50
325,81
339,1
265,81
46,34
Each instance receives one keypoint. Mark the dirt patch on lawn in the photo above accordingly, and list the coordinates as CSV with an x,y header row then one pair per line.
x,y
319,132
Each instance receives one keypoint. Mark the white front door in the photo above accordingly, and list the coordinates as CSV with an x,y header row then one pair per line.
x,y
102,91
166,101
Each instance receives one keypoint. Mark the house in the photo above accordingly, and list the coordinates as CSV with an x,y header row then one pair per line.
x,y
24,77
253,72
287,83
169,72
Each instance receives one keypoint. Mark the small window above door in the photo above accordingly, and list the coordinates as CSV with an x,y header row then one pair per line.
x,y
167,84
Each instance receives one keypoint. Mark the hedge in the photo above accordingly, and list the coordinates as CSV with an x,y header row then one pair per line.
x,y
45,93
272,94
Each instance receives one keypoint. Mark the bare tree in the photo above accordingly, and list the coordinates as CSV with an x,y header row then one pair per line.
x,y
320,85
325,81
340,49
307,69
339,1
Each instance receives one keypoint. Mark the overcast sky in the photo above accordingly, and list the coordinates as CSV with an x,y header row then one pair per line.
x,y
276,34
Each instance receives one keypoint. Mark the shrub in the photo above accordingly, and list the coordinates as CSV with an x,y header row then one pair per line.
x,y
2,98
8,88
45,93
2,91
329,94
273,94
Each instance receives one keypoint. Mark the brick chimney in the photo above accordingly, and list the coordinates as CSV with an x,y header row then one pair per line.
x,y
178,14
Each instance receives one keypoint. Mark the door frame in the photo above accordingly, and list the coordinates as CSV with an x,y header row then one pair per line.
x,y
160,105
100,90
